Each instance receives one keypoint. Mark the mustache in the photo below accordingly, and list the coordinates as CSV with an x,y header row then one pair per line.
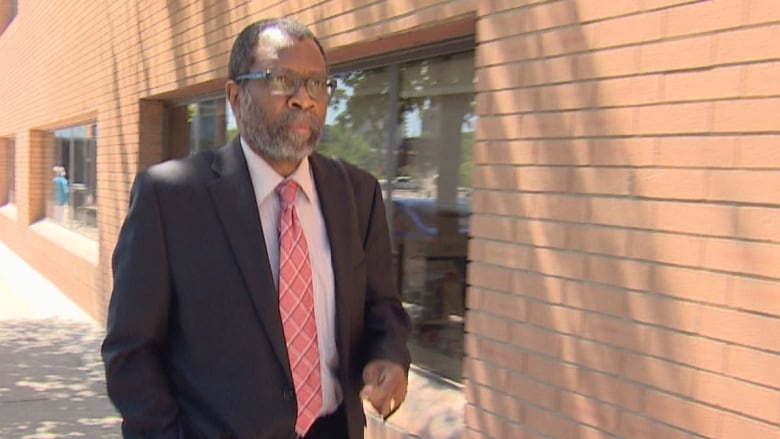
x,y
300,116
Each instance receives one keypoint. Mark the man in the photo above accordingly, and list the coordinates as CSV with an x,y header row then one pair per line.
x,y
253,296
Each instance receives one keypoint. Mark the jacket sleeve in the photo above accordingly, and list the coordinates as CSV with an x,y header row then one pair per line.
x,y
386,322
135,344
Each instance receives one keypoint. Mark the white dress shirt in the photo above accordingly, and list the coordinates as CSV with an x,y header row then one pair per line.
x,y
307,205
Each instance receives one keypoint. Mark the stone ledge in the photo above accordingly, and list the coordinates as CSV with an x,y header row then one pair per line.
x,y
9,210
71,241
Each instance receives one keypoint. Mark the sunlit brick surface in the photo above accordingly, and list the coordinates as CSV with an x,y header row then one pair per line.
x,y
625,245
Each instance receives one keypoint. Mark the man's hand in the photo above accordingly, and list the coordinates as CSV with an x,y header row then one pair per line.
x,y
384,386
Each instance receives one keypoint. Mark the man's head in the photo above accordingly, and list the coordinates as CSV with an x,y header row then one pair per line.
x,y
278,88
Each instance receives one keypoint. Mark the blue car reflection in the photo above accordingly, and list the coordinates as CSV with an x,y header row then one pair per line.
x,y
417,218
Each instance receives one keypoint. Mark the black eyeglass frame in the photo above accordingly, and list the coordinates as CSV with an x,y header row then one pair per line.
x,y
330,83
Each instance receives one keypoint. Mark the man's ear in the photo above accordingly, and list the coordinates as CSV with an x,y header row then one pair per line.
x,y
232,91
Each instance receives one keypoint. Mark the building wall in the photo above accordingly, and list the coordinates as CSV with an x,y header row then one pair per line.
x,y
625,237
121,64
625,244
52,76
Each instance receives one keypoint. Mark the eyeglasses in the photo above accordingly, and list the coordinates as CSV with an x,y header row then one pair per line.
x,y
287,84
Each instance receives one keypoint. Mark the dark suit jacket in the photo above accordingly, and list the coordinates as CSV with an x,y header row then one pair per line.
x,y
194,345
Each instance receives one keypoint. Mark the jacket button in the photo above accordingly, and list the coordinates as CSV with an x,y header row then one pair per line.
x,y
287,394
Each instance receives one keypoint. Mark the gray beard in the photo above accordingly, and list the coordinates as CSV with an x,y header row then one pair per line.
x,y
272,139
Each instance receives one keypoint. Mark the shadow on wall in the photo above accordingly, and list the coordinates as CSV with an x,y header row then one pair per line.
x,y
592,343
188,47
148,50
215,35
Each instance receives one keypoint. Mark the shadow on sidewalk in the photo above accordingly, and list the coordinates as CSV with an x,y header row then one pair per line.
x,y
51,381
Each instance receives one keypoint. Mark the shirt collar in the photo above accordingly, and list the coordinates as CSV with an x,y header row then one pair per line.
x,y
265,178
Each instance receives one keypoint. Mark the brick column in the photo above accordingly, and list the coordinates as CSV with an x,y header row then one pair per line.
x,y
35,163
151,145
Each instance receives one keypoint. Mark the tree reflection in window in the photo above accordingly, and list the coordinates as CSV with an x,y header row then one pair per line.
x,y
422,157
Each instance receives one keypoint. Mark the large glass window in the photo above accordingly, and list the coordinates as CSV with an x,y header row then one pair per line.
x,y
72,179
412,126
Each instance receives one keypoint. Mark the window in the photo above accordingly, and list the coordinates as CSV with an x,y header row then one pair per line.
x,y
8,151
199,125
11,163
72,179
411,124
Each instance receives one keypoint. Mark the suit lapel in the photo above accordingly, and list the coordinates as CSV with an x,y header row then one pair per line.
x,y
234,198
335,194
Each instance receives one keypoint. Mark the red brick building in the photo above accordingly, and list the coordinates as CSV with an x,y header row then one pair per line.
x,y
585,194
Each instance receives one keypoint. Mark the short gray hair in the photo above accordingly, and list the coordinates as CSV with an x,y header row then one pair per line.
x,y
242,56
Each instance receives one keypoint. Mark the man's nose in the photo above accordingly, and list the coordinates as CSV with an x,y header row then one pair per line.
x,y
301,98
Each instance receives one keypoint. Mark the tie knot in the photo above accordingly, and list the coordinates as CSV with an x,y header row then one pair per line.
x,y
287,190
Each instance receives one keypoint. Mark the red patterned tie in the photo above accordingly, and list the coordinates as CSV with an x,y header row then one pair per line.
x,y
296,306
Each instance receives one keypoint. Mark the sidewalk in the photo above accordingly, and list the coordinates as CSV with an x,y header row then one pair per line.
x,y
51,375
52,384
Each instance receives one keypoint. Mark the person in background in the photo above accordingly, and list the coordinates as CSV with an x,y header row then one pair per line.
x,y
61,194
253,293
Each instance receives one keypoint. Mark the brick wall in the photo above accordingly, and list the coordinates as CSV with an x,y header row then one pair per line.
x,y
625,244
625,227
122,64
52,76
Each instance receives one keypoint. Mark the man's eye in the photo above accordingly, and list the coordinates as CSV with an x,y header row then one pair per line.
x,y
317,83
283,81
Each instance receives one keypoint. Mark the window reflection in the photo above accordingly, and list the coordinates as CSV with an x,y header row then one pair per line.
x,y
8,157
356,125
422,158
207,125
199,125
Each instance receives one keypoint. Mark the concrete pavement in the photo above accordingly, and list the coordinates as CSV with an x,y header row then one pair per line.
x,y
51,375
